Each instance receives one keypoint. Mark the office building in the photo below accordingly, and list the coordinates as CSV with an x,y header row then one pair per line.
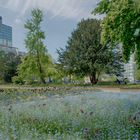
x,y
6,38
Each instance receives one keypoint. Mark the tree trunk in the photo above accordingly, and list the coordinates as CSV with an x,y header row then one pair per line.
x,y
43,80
40,69
41,74
93,79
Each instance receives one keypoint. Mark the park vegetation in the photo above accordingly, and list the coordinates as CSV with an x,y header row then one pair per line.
x,y
84,55
93,49
73,112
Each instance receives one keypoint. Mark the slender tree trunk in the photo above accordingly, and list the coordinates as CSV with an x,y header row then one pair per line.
x,y
93,79
40,69
41,73
42,79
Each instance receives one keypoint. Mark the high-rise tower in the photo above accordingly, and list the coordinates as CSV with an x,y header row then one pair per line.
x,y
5,35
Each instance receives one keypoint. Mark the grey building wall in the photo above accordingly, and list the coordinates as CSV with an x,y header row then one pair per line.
x,y
9,50
130,69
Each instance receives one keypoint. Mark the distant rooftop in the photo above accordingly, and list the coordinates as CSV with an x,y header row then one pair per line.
x,y
2,22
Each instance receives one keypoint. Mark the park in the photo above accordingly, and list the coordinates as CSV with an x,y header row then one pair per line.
x,y
91,92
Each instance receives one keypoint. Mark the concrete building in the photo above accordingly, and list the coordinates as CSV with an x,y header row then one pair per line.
x,y
130,69
6,38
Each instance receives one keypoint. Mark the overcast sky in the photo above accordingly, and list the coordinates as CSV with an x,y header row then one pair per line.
x,y
60,19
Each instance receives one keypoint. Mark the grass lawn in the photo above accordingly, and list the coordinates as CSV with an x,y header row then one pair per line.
x,y
69,114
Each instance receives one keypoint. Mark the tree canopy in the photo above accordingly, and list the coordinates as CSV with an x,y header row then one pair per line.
x,y
121,24
84,55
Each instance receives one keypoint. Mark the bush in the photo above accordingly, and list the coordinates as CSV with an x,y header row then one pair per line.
x,y
17,80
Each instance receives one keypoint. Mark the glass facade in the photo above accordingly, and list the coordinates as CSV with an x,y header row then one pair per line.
x,y
5,35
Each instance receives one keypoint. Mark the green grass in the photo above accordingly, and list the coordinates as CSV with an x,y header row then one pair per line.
x,y
68,86
70,114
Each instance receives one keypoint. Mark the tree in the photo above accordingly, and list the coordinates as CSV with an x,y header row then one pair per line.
x,y
8,65
11,63
84,55
34,63
121,24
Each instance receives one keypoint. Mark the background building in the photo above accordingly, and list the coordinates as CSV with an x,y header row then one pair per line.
x,y
130,69
6,38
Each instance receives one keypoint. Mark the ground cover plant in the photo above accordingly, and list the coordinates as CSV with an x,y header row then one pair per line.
x,y
74,115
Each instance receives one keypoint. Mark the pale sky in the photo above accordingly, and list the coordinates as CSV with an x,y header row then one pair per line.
x,y
60,19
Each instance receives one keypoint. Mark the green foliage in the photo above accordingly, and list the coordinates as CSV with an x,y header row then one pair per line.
x,y
2,65
137,74
17,80
8,65
34,63
12,62
121,24
84,55
53,72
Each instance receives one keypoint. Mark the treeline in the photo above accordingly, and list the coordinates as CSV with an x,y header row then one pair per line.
x,y
84,56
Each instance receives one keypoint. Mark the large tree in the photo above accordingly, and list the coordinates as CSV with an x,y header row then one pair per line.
x,y
84,55
121,24
34,63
